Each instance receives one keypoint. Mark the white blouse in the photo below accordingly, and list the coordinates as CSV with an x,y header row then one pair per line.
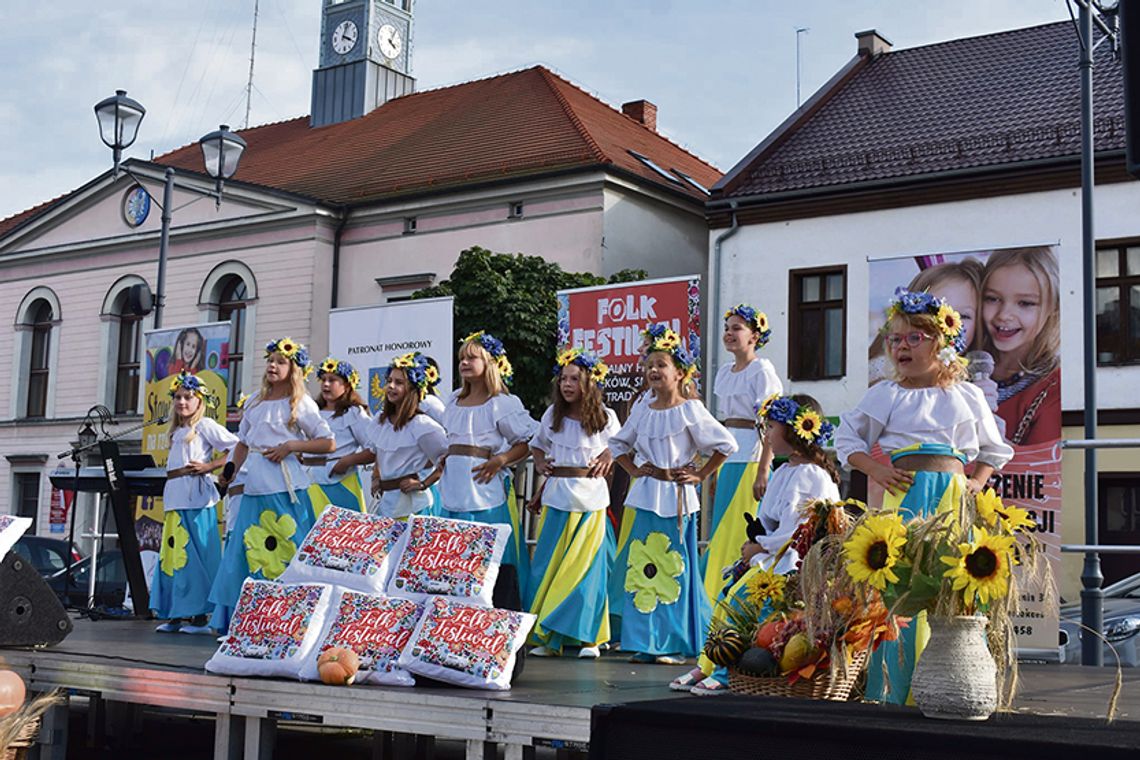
x,y
895,417
669,438
572,447
194,491
407,451
351,431
790,487
498,424
264,425
738,394
433,406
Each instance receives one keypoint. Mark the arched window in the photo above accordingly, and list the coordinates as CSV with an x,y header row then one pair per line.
x,y
40,318
123,347
229,294
36,352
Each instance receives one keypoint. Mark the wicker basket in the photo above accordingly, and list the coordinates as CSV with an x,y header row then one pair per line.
x,y
821,686
18,749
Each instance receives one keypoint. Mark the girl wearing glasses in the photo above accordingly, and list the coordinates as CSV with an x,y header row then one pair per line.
x,y
932,423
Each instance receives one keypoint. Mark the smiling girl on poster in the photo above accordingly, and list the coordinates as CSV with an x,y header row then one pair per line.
x,y
336,478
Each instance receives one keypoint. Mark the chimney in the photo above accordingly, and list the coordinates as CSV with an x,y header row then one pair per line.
x,y
872,43
642,111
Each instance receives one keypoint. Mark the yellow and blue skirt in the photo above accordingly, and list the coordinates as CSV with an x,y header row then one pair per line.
x,y
187,563
568,580
892,664
347,493
516,553
732,500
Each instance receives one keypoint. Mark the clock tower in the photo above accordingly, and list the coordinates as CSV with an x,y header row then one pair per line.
x,y
366,58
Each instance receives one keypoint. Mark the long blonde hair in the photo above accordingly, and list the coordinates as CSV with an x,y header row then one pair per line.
x,y
296,390
1045,351
176,421
948,374
492,378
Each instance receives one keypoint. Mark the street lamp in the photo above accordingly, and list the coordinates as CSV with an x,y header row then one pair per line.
x,y
119,118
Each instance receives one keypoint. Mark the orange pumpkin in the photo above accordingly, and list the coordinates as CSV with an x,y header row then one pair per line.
x,y
767,632
11,692
338,666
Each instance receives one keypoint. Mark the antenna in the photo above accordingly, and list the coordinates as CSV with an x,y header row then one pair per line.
x,y
799,31
252,51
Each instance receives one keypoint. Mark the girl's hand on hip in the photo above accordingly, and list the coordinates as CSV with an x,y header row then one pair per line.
x,y
486,472
893,479
279,453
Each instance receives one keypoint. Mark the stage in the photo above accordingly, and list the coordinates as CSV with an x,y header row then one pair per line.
x,y
113,661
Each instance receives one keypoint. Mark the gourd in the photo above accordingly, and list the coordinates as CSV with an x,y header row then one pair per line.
x,y
338,666
724,646
12,692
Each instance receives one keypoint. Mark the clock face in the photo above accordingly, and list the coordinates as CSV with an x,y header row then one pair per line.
x,y
344,37
136,206
391,43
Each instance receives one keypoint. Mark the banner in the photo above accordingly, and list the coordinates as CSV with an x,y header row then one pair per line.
x,y
1010,306
60,505
608,320
201,349
369,337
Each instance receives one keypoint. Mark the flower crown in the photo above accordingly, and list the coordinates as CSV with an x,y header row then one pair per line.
x,y
494,347
757,320
665,340
905,302
807,423
584,359
341,369
188,382
291,350
418,370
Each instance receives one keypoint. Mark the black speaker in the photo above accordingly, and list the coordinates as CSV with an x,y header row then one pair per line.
x,y
140,300
1130,61
30,613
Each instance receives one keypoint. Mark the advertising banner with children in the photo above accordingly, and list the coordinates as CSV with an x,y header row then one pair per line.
x,y
202,350
608,320
1009,304
369,337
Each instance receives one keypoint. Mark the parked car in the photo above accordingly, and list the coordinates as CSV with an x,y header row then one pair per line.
x,y
1121,625
49,556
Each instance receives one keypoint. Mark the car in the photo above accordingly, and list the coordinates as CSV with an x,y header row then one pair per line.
x,y
49,556
1121,625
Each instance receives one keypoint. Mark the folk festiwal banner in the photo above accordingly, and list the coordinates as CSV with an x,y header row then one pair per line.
x,y
201,349
608,320
369,337
1010,306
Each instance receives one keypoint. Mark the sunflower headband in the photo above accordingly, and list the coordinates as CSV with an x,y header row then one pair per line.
x,y
807,423
757,320
584,359
905,302
291,350
341,369
664,340
494,347
418,370
185,381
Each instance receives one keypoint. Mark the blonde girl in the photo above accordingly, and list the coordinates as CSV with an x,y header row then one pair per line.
x,y
191,547
278,422
336,477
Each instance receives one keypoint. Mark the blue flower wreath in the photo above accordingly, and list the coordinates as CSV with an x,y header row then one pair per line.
x,y
807,423
291,350
188,382
587,360
757,320
340,368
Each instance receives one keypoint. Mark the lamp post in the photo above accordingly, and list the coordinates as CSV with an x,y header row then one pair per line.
x,y
119,118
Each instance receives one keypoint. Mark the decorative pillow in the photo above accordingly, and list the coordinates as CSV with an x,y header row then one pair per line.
x,y
455,559
467,645
11,528
347,548
376,628
274,631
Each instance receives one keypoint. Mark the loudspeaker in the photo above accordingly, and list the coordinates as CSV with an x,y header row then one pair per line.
x,y
140,300
30,613
1130,61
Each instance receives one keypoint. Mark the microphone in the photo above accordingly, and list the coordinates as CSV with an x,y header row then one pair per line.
x,y
227,476
981,365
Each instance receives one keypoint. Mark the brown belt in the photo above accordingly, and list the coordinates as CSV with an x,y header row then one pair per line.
x,y
929,463
463,450
661,473
313,461
742,423
393,484
236,490
666,474
179,472
569,472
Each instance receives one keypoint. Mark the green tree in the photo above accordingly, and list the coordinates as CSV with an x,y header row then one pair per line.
x,y
514,297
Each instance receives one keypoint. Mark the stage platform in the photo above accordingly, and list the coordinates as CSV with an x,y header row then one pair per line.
x,y
550,704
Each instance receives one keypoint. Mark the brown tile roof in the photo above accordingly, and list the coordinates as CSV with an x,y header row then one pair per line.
x,y
516,124
980,102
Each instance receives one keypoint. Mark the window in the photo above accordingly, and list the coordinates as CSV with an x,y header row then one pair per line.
x,y
229,294
232,298
1119,522
40,318
26,486
409,225
654,166
691,181
817,346
127,364
516,210
1118,306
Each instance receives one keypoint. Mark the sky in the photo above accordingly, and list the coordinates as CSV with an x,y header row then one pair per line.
x,y
722,72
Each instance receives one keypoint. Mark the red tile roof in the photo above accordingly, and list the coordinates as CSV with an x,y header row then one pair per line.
x,y
980,102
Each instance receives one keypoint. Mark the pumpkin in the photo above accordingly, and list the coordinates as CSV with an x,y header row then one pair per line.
x,y
724,646
767,633
11,692
758,661
797,653
337,666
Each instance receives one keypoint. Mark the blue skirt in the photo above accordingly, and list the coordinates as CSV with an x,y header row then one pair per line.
x,y
266,534
187,563
664,606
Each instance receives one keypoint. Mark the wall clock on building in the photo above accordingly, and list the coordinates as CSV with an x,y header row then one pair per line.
x,y
136,206
390,41
344,37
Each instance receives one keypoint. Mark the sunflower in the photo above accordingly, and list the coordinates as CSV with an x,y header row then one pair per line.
x,y
568,356
287,347
949,321
765,585
404,361
761,321
988,504
175,537
874,549
328,367
599,371
807,424
981,571
765,405
432,374
505,368
269,545
1015,519
652,572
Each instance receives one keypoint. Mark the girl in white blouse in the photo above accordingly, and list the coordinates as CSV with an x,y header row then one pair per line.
x,y
488,430
336,477
664,607
570,571
406,441
932,424
278,422
191,547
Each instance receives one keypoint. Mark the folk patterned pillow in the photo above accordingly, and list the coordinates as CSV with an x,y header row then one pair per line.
x,y
347,548
11,528
455,559
467,645
376,628
274,630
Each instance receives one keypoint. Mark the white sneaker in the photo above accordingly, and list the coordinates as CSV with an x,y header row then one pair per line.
x,y
589,653
542,652
197,630
170,626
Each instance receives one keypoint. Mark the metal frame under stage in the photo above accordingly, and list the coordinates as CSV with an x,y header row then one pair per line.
x,y
127,662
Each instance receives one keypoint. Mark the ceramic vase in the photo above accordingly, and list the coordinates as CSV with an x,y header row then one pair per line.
x,y
956,677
